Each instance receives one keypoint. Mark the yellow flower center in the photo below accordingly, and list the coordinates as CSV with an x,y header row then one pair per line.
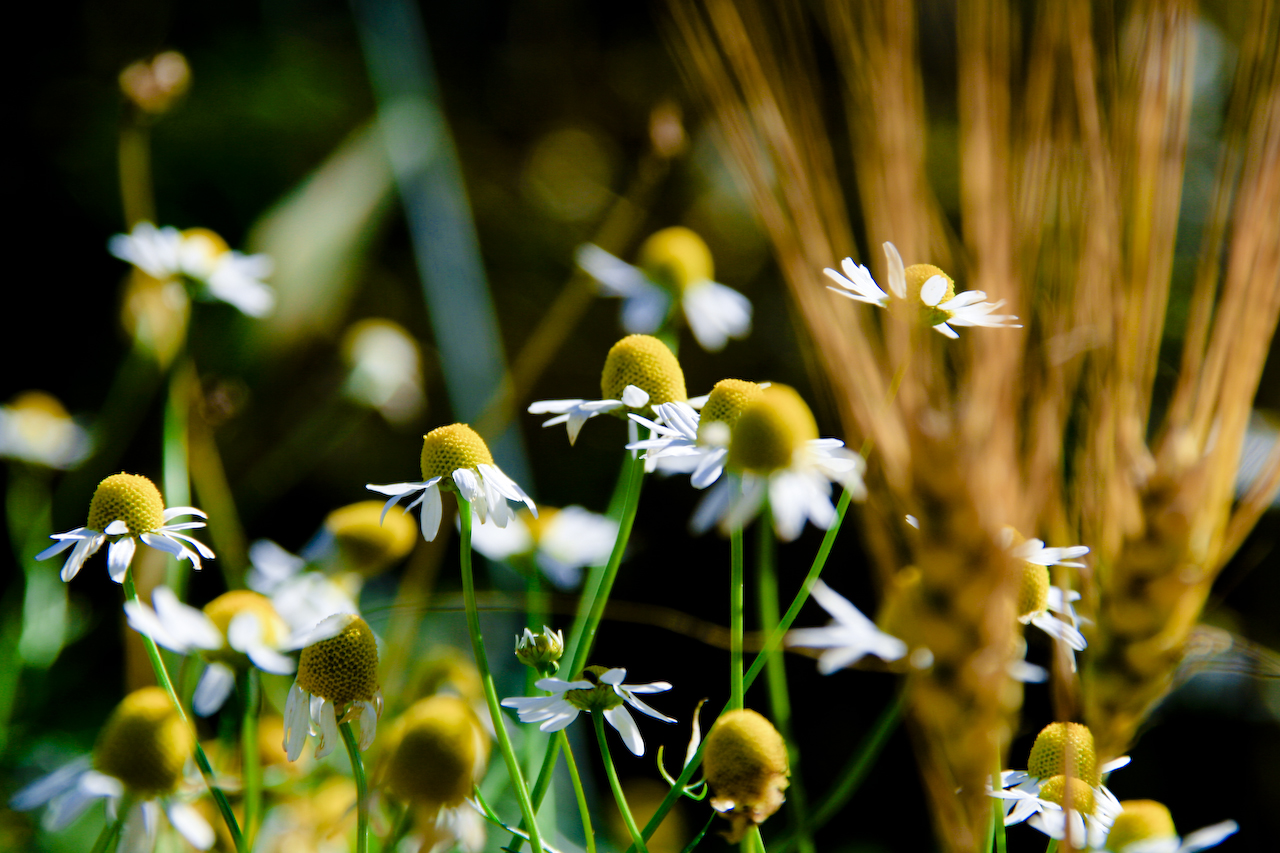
x,y
39,402
1033,594
343,668
130,498
675,258
436,743
1141,820
1049,753
1054,789
446,449
770,430
209,245
227,606
647,363
145,743
365,545
600,697
725,403
538,526
745,763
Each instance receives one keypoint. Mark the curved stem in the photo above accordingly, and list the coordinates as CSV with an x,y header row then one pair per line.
x,y
202,760
486,677
735,619
621,799
252,761
362,787
578,792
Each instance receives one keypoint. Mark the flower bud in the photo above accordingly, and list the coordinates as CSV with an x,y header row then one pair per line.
x,y
154,86
542,651
145,743
745,763
130,498
647,363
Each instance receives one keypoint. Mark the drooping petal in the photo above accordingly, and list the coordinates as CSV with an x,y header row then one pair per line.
x,y
620,719
119,556
190,824
328,728
186,624
897,272
297,721
432,512
368,724
215,686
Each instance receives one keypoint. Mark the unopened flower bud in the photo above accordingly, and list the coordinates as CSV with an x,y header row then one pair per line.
x,y
745,762
542,650
154,86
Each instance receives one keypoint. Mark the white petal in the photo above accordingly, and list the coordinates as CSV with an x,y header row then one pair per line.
x,y
897,273
621,720
368,724
119,555
215,686
933,290
1114,764
116,528
297,721
644,707
946,331
184,623
190,824
47,787
328,721
644,312
1209,836
634,397
432,511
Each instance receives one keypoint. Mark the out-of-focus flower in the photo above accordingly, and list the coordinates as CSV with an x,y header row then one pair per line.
x,y
1038,599
302,598
337,682
35,428
456,457
1145,826
141,751
126,509
385,369
236,629
560,541
848,638
155,86
745,762
673,262
200,256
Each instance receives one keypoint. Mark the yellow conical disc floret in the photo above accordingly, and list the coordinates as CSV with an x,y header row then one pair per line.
x,y
647,363
725,404
745,762
145,743
436,747
1033,593
770,430
1054,790
1048,754
675,258
227,606
1141,820
343,668
130,498
365,545
446,449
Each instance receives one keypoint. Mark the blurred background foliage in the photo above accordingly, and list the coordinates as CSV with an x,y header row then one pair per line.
x,y
549,105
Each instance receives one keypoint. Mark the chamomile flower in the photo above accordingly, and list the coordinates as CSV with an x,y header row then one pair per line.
x,y
848,638
1038,599
673,262
456,457
1038,794
596,690
142,752
236,629
337,682
203,257
561,542
693,442
302,598
35,428
938,304
775,452
1145,826
640,372
127,509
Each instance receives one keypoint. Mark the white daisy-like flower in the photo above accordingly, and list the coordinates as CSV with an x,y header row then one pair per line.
x,y
127,509
337,682
456,457
939,305
385,369
561,541
144,724
302,598
848,638
774,453
35,428
596,690
1145,826
673,261
1038,599
202,256
1049,817
235,629
576,412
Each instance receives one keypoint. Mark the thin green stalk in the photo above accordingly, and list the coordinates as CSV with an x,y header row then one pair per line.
x,y
362,787
486,677
252,759
735,619
402,825
757,843
774,641
1053,846
578,791
697,839
109,838
621,799
997,810
176,450
584,629
776,677
202,760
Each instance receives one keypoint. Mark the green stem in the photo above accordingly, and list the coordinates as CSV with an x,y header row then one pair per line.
x,y
776,676
252,759
589,615
202,760
621,799
757,843
735,619
486,677
402,825
578,792
774,641
1053,846
362,787
997,810
109,838
176,450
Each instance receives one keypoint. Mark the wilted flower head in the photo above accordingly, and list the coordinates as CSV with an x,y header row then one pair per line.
x,y
745,762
